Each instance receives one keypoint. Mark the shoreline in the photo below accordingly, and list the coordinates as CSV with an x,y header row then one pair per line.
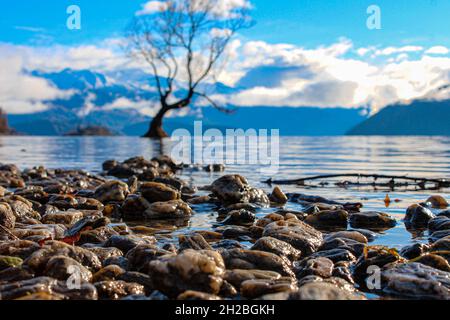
x,y
117,236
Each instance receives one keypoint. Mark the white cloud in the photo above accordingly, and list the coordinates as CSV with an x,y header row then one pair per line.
x,y
221,8
152,7
20,92
264,74
438,50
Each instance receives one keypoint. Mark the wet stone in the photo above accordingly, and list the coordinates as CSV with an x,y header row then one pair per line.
x,y
18,248
437,202
139,278
336,255
108,273
235,189
278,196
69,217
350,245
372,220
38,260
139,257
442,247
190,270
260,260
120,261
416,281
350,235
437,235
375,257
434,261
413,251
278,247
323,291
7,217
418,216
175,209
321,266
239,217
112,191
194,241
126,243
191,295
300,235
115,290
252,289
328,218
62,267
227,244
237,276
158,192
439,224
9,262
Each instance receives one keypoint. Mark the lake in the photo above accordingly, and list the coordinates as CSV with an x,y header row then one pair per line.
x,y
299,157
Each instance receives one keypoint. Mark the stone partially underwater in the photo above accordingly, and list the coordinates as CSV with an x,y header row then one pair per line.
x,y
119,233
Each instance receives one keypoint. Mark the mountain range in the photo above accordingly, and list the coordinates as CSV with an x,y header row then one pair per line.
x,y
421,118
94,96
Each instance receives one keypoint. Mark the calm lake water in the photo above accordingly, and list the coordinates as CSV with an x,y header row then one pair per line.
x,y
299,157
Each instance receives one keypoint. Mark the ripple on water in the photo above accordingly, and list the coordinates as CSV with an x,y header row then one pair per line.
x,y
299,157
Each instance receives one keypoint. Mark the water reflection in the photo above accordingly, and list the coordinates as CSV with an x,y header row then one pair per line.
x,y
299,157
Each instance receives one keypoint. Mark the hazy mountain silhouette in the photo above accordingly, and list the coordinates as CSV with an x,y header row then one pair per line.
x,y
417,118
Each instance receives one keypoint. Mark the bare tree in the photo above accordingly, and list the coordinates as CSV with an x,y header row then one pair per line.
x,y
182,42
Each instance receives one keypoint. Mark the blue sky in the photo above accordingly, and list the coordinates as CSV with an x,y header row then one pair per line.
x,y
299,53
306,23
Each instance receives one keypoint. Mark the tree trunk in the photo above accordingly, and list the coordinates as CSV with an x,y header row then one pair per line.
x,y
156,130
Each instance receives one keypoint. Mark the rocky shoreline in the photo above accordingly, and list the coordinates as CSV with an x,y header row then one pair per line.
x,y
68,234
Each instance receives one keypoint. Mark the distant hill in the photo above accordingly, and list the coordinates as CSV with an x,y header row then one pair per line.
x,y
90,131
290,121
417,118
92,98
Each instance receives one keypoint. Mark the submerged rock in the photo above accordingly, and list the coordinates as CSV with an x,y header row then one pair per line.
x,y
372,220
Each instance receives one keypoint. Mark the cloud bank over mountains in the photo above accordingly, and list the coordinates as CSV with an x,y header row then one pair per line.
x,y
257,74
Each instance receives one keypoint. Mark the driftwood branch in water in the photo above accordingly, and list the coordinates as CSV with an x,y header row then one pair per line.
x,y
418,181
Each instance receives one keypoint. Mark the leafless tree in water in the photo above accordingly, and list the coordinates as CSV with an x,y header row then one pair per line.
x,y
182,42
